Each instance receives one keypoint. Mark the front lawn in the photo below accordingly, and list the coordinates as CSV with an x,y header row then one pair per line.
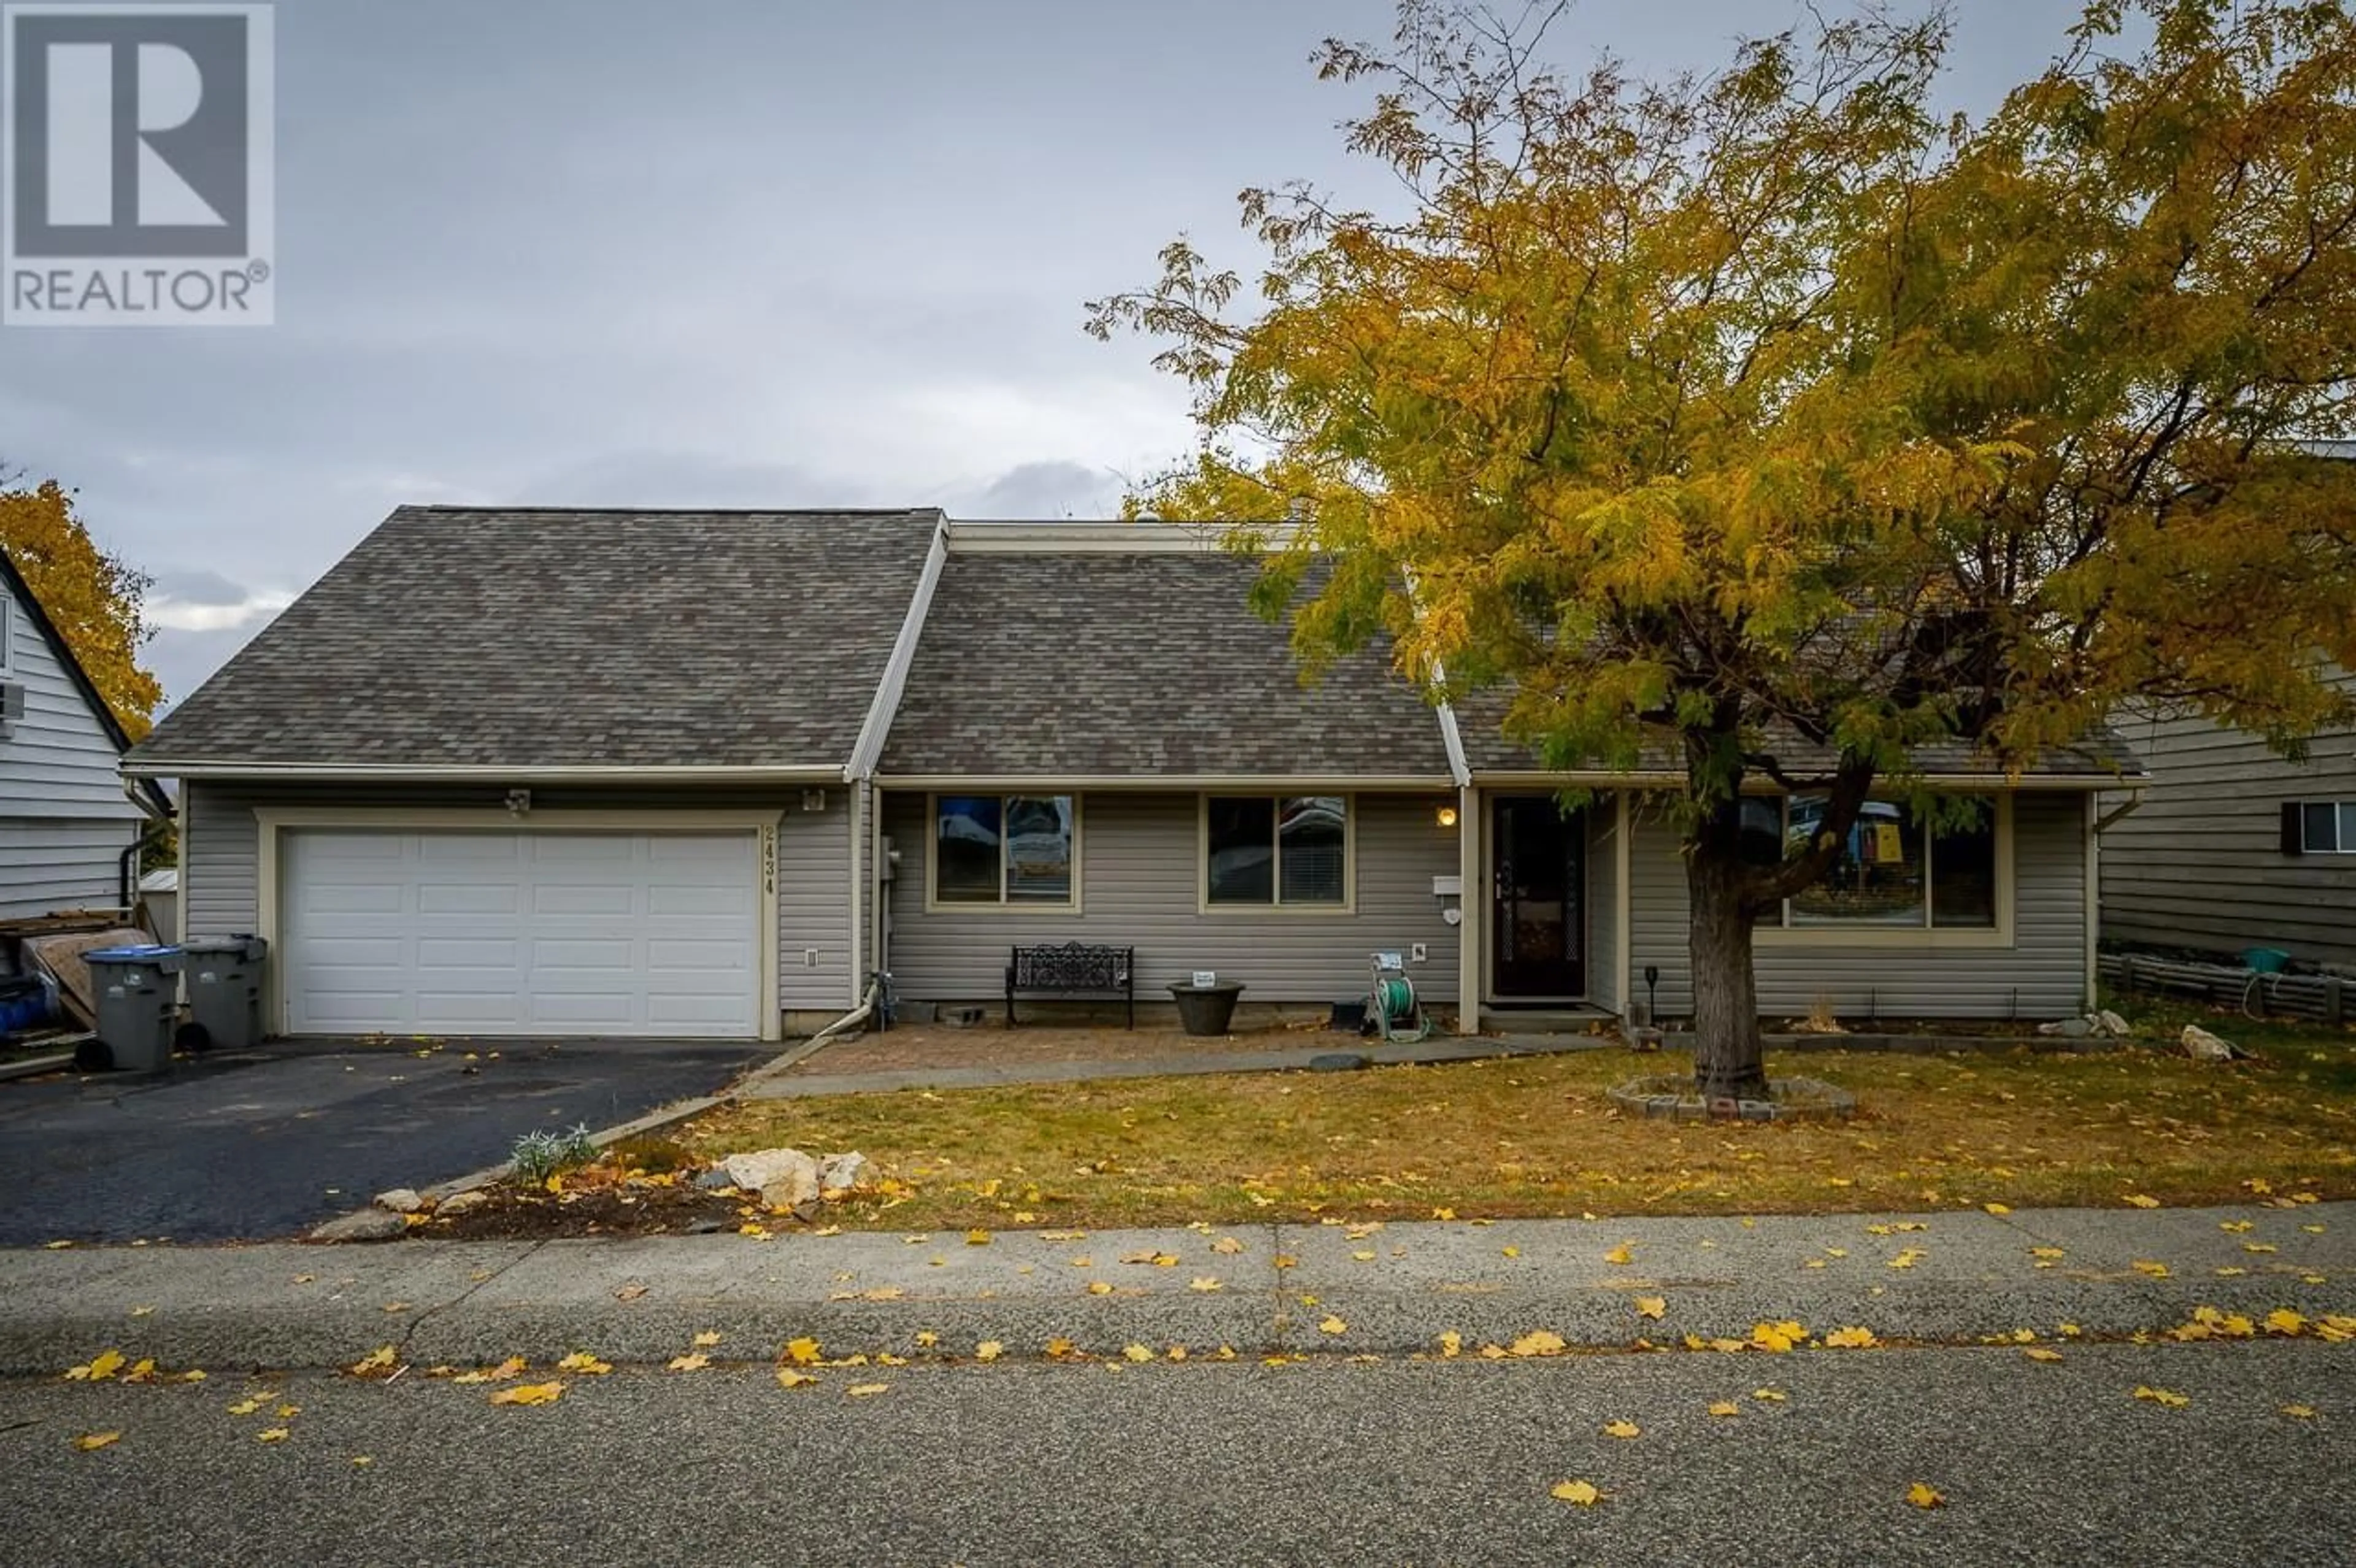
x,y
1536,1137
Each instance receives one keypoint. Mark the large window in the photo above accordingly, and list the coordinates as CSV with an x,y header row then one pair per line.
x,y
1007,849
2319,828
1276,851
1889,873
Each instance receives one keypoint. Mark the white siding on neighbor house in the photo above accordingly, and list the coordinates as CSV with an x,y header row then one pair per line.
x,y
1140,878
64,818
2041,976
221,858
2199,864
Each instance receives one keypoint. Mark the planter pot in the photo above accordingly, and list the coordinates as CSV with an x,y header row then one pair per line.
x,y
1207,1010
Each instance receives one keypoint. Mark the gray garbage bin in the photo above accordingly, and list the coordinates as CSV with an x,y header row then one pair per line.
x,y
224,992
136,1001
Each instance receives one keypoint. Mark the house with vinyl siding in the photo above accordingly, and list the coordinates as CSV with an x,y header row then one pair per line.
x,y
68,825
535,772
2233,846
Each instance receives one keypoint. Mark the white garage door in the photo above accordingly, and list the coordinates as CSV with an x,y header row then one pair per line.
x,y
624,933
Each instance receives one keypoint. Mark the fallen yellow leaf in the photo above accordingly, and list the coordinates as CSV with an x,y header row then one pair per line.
x,y
789,1377
583,1361
245,1407
512,1367
1851,1339
706,1339
2141,1201
2146,1266
529,1393
1332,1325
89,1440
861,1390
1651,1305
2160,1396
1619,1254
989,1350
1580,1492
1921,1495
2042,1353
375,1361
1538,1342
1204,1282
1621,1429
802,1352
271,1435
694,1362
1997,1208
1511,1251
1451,1344
2303,1411
1725,1407
1136,1352
1227,1244
98,1369
976,1238
1098,1288
1772,1395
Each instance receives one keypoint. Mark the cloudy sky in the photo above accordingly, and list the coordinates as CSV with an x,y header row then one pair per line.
x,y
723,253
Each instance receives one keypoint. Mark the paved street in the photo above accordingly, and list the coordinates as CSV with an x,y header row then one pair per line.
x,y
1327,1461
268,1143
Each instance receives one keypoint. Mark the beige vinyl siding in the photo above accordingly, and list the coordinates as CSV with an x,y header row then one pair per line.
x,y
222,855
814,906
1140,888
1602,958
2041,976
2200,863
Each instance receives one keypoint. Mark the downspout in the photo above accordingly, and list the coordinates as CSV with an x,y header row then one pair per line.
x,y
126,876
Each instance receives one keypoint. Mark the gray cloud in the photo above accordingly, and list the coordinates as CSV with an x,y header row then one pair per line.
x,y
737,253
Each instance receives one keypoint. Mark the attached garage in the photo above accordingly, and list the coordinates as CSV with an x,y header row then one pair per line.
x,y
522,930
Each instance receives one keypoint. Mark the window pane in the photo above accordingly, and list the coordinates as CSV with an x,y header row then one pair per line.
x,y
1309,858
1963,872
1762,830
1039,849
967,834
1243,850
1877,877
2348,822
2319,833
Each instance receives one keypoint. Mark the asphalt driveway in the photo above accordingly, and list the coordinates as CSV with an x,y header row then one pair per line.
x,y
266,1144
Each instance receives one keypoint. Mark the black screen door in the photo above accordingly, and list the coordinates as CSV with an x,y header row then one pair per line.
x,y
1537,868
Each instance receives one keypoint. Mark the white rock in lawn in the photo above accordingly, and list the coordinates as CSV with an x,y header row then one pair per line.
x,y
459,1202
2202,1046
784,1178
845,1172
2114,1025
401,1200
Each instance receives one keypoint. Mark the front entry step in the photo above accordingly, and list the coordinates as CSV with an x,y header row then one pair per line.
x,y
1576,1020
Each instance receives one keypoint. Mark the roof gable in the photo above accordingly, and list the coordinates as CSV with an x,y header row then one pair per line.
x,y
1097,664
514,638
36,619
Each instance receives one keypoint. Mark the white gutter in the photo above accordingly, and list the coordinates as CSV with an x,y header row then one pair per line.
x,y
2090,784
474,772
1064,783
868,749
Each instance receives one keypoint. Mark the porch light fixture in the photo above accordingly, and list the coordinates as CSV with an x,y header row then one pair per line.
x,y
1447,816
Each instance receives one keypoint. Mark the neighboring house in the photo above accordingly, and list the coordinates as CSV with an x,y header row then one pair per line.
x,y
68,825
674,773
2233,846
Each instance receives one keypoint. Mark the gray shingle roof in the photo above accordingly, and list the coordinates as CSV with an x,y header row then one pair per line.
x,y
466,636
1085,666
1480,719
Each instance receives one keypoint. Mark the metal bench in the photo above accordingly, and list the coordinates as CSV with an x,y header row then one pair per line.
x,y
1077,970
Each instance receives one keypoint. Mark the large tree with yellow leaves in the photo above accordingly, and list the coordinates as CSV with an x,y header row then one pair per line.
x,y
92,598
1773,422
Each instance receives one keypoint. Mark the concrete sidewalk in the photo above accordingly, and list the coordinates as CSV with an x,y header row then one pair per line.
x,y
1332,1289
778,1081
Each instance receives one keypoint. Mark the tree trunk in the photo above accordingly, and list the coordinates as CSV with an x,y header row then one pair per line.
x,y
1730,1058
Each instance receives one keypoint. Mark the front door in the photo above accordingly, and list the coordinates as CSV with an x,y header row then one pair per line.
x,y
1538,863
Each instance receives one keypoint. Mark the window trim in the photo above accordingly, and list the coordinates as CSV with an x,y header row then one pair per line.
x,y
8,635
1926,935
2295,811
1276,905
1001,905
